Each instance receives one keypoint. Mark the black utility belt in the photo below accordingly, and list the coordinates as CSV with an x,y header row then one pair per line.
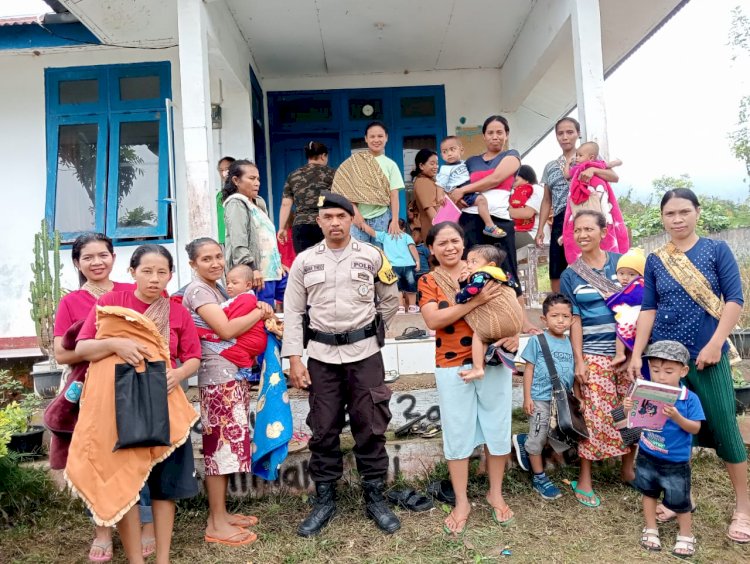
x,y
369,330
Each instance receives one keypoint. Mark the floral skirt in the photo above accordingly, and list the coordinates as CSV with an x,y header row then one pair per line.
x,y
225,416
604,391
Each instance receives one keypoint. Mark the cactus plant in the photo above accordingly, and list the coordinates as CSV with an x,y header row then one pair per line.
x,y
45,291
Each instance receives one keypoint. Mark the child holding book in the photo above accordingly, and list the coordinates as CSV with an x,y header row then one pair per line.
x,y
663,464
557,316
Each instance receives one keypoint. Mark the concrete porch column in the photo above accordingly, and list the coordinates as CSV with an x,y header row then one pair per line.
x,y
589,72
196,119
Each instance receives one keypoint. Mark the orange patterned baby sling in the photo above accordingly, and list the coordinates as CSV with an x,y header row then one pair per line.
x,y
109,482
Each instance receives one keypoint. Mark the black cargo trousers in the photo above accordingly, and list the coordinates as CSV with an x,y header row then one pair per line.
x,y
359,389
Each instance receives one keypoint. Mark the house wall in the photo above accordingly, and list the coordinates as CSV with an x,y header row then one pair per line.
x,y
23,175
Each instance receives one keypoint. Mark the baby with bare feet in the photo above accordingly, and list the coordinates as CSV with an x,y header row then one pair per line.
x,y
498,318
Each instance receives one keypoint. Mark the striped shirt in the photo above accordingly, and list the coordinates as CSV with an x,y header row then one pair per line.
x,y
597,319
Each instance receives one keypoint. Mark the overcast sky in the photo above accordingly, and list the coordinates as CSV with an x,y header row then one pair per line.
x,y
669,106
672,103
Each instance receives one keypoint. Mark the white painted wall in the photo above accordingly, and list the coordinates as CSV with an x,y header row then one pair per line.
x,y
23,174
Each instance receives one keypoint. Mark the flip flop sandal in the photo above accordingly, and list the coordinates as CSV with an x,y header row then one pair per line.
x,y
246,536
406,429
442,490
686,544
244,521
412,333
431,431
410,499
505,512
595,501
650,540
455,534
148,546
739,525
298,443
105,547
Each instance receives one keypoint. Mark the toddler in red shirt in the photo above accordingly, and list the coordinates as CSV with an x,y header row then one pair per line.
x,y
243,350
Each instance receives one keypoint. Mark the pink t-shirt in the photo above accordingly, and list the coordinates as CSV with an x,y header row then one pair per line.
x,y
77,305
184,343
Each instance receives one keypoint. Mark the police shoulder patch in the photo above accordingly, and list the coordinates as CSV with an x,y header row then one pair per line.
x,y
386,274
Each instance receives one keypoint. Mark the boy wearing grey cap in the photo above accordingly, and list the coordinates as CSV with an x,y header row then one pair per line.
x,y
663,463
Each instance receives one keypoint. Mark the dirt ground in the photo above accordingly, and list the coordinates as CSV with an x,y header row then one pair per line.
x,y
560,531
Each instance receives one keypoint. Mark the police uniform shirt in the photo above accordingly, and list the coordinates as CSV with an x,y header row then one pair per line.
x,y
344,289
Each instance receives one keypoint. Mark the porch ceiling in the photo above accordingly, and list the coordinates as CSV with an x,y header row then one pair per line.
x,y
330,37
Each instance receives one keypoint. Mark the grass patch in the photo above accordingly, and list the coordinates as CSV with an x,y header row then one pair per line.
x,y
562,531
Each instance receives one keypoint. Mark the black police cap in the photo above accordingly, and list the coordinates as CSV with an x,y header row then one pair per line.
x,y
329,200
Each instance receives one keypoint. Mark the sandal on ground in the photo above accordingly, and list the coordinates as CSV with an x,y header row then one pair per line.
x,y
408,427
412,333
494,231
105,547
684,547
650,540
413,309
410,499
243,521
459,524
240,538
442,490
506,515
666,515
739,528
391,376
431,430
148,546
401,309
298,443
593,499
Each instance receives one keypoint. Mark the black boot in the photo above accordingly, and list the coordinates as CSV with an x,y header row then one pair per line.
x,y
377,509
324,508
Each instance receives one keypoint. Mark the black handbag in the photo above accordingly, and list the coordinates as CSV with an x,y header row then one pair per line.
x,y
566,424
141,409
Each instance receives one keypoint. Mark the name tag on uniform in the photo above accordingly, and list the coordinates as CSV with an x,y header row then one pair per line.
x,y
314,277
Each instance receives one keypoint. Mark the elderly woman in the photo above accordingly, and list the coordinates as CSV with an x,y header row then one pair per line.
x,y
474,412
301,190
250,233
693,294
602,386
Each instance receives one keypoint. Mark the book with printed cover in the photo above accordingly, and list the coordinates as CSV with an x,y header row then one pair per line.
x,y
649,399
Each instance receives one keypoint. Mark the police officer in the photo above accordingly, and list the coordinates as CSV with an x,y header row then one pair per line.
x,y
348,290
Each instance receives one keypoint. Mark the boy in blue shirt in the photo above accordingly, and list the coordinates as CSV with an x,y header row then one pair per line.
x,y
401,252
663,463
557,316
